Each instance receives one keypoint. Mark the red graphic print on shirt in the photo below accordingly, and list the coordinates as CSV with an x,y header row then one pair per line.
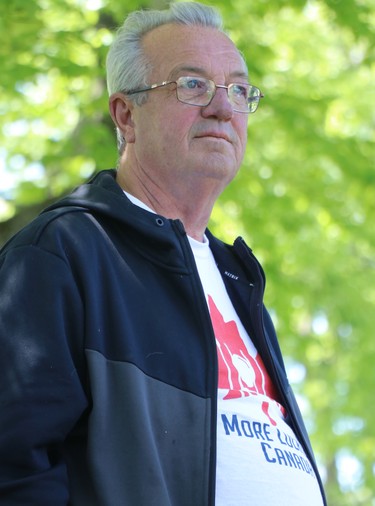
x,y
241,372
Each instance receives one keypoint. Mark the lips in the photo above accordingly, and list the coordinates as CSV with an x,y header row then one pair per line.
x,y
216,135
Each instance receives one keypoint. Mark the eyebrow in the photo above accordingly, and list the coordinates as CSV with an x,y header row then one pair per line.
x,y
199,70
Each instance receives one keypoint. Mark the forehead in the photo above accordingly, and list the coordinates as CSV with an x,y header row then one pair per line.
x,y
173,49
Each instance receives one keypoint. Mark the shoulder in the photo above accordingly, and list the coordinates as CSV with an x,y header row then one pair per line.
x,y
55,231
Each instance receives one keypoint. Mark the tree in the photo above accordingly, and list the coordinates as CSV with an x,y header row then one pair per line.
x,y
304,198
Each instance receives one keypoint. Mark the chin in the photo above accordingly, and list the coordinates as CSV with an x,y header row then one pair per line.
x,y
218,171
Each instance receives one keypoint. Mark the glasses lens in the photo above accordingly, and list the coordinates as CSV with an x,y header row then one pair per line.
x,y
195,90
199,91
239,96
254,97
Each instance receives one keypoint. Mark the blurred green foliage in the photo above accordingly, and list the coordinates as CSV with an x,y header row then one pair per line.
x,y
304,199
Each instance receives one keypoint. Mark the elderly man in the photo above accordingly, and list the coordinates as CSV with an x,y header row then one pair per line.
x,y
138,364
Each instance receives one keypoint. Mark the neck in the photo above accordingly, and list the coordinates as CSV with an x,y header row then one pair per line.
x,y
191,204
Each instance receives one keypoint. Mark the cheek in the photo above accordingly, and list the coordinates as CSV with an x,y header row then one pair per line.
x,y
175,134
166,139
179,120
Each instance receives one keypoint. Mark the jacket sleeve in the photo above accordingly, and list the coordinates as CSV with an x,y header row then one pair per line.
x,y
41,394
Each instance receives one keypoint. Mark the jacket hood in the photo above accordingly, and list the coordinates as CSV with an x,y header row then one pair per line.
x,y
104,198
101,195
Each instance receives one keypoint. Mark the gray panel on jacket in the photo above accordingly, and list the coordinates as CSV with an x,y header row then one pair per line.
x,y
148,442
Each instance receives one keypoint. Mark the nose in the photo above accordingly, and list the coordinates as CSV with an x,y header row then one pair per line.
x,y
219,107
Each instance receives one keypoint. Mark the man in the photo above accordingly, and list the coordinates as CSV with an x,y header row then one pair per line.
x,y
138,364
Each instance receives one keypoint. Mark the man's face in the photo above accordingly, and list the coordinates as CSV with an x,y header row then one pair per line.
x,y
177,144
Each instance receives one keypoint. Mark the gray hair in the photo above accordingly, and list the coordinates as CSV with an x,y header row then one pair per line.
x,y
127,65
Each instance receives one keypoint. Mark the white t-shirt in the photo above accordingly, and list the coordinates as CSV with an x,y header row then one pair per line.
x,y
259,459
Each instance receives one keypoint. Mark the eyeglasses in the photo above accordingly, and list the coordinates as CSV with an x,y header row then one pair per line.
x,y
199,91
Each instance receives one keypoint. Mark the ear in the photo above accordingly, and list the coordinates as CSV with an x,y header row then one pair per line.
x,y
121,110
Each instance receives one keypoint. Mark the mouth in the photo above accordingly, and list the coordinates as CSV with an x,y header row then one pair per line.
x,y
219,136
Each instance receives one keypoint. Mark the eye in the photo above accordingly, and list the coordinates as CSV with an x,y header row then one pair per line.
x,y
240,91
194,83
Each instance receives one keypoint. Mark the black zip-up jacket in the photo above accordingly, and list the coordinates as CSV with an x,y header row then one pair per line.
x,y
108,364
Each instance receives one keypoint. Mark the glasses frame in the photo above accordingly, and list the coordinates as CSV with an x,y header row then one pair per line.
x,y
251,100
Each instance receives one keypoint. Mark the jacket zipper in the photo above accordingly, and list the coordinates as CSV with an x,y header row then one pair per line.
x,y
208,334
